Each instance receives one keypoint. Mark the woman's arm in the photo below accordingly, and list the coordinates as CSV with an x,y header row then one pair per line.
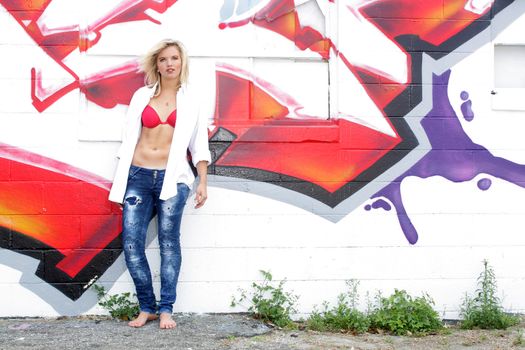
x,y
199,148
202,188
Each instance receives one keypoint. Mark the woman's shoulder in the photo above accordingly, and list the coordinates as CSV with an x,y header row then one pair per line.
x,y
141,95
144,90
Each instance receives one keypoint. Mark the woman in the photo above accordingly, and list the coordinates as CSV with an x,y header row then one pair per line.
x,y
153,174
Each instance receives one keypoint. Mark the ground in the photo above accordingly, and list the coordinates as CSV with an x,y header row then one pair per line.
x,y
229,331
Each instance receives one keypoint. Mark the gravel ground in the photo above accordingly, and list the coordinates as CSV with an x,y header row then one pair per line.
x,y
226,331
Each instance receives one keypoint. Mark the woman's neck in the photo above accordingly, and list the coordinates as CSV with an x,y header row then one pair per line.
x,y
171,85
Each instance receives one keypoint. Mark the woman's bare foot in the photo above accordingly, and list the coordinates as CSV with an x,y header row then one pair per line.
x,y
166,322
142,319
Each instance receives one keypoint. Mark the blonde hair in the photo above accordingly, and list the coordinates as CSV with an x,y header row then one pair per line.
x,y
148,63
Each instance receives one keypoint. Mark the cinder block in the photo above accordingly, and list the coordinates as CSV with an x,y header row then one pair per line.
x,y
62,198
21,198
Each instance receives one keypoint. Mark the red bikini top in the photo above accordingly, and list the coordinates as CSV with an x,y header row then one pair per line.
x,y
151,119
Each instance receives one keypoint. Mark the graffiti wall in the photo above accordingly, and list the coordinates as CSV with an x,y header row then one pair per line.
x,y
377,140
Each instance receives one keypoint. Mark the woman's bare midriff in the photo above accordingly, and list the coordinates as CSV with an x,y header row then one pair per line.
x,y
153,147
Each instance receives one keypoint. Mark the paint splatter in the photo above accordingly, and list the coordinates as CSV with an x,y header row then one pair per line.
x,y
466,107
380,203
484,184
453,156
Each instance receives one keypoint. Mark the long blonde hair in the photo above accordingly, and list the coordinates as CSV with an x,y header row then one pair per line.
x,y
148,63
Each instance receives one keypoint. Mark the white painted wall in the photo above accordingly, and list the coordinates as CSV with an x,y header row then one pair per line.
x,y
240,232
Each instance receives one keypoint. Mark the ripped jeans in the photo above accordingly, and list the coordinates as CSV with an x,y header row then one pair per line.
x,y
141,203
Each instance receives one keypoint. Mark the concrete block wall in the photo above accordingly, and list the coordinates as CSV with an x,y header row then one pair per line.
x,y
378,141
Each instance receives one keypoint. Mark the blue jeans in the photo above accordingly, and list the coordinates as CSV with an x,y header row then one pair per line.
x,y
141,203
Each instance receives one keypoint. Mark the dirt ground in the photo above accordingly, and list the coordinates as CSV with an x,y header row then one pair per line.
x,y
456,339
229,331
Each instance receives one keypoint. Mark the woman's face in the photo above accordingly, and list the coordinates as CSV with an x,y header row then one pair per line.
x,y
169,63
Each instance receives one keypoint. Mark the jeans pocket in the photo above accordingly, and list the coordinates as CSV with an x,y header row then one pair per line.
x,y
133,171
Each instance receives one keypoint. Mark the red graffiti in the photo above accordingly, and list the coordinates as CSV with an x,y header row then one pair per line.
x,y
57,205
328,153
58,44
434,21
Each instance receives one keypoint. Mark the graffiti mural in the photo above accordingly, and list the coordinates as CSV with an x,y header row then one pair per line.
x,y
447,137
59,215
371,139
380,111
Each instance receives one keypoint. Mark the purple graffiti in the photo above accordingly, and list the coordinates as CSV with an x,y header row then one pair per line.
x,y
453,156
379,203
466,107
484,184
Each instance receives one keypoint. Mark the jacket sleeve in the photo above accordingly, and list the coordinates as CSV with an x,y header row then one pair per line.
x,y
199,147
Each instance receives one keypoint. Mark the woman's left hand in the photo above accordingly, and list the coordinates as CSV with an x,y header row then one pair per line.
x,y
201,195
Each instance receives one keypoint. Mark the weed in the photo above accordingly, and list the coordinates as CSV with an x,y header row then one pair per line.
x,y
519,341
342,317
401,314
389,340
445,331
268,302
484,310
121,306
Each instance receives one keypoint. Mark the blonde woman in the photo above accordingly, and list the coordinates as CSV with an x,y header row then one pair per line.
x,y
153,175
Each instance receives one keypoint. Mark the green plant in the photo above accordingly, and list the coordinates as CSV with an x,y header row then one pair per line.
x,y
519,341
484,310
342,317
268,302
401,314
121,306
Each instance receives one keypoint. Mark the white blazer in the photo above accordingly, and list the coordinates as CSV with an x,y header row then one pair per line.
x,y
190,133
